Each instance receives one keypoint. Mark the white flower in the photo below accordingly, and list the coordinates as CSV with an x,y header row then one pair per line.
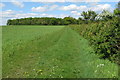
x,y
100,65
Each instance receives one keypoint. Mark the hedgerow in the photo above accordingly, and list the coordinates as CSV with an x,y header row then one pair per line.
x,y
104,36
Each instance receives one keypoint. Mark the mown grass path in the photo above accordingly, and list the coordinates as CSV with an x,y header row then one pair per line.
x,y
61,53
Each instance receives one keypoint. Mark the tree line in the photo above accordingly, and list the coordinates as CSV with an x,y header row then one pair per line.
x,y
43,21
86,17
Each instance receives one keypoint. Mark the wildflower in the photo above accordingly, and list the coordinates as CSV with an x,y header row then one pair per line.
x,y
61,76
7,76
26,73
100,65
40,70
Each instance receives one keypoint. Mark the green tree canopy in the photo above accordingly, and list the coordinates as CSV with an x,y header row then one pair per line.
x,y
89,15
117,10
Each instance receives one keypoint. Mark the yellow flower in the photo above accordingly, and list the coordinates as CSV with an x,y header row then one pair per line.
x,y
40,70
26,73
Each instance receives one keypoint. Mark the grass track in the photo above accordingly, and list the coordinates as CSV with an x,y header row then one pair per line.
x,y
51,52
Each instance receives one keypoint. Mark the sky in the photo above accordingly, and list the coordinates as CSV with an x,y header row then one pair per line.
x,y
59,8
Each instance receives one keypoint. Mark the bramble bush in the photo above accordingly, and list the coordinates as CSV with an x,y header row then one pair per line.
x,y
104,36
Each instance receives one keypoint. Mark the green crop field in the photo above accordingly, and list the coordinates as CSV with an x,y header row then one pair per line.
x,y
50,52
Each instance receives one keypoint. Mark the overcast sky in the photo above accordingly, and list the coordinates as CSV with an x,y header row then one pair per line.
x,y
53,8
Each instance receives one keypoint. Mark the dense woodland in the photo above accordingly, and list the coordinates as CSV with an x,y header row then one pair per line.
x,y
102,30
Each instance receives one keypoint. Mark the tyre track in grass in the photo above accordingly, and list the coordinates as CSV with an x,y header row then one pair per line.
x,y
63,54
66,54
73,57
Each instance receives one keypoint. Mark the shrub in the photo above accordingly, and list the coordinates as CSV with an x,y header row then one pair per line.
x,y
104,36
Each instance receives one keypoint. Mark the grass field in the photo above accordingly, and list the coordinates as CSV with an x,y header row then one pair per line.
x,y
51,52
